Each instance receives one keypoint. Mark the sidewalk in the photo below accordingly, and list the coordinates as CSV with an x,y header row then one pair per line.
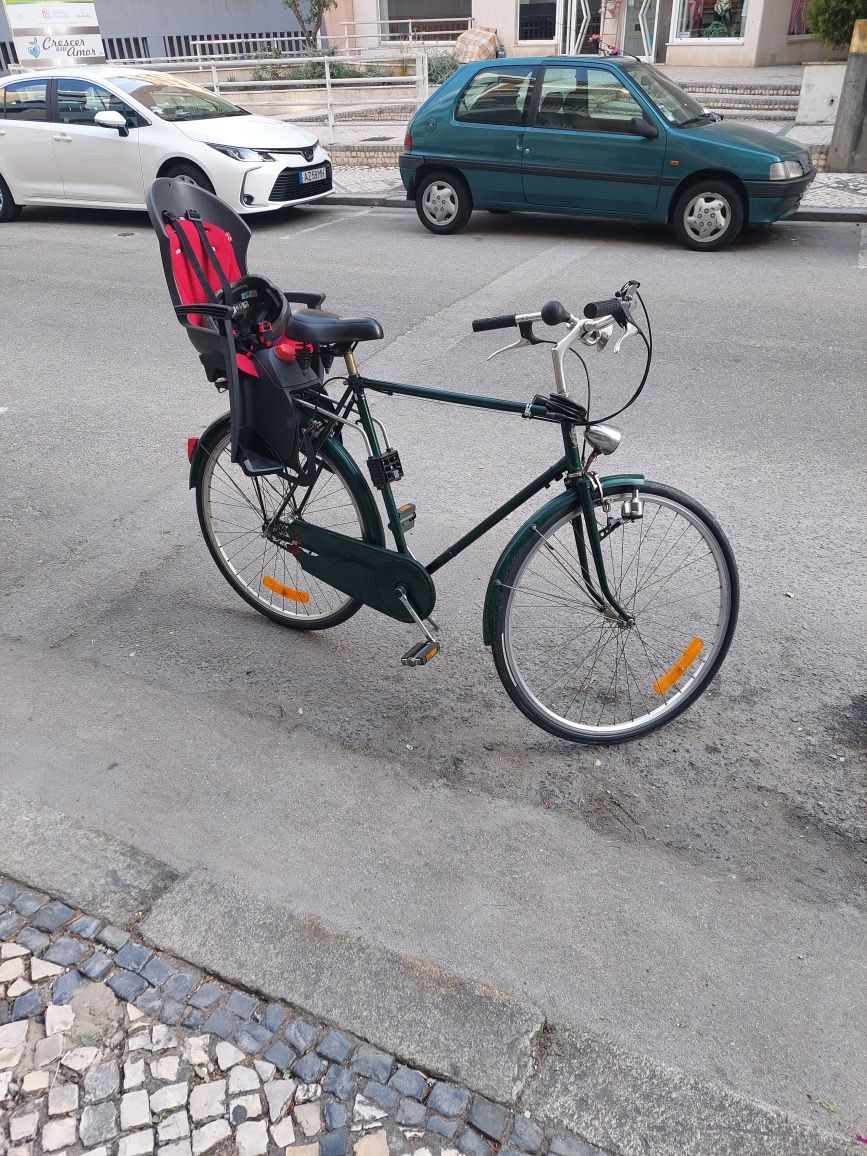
x,y
831,197
115,1040
365,168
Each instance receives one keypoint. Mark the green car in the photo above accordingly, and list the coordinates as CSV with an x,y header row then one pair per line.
x,y
599,137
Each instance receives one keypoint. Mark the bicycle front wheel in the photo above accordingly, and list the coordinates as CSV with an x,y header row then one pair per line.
x,y
571,666
234,510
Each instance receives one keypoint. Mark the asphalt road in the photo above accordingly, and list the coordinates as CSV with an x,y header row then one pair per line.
x,y
698,895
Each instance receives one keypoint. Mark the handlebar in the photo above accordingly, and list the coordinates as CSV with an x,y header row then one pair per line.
x,y
611,307
506,321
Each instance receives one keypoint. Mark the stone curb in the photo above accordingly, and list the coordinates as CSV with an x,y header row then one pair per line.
x,y
576,1085
453,1027
819,213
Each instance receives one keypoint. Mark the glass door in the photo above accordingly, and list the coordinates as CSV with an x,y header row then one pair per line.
x,y
578,26
640,28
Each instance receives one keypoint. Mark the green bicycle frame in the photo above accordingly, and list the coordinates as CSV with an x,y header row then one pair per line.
x,y
570,464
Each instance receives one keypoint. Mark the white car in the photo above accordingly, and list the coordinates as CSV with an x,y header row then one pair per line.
x,y
98,136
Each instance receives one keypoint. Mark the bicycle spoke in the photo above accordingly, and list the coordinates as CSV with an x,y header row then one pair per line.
x,y
584,670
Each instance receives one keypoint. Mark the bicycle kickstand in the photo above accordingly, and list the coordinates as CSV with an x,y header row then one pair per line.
x,y
429,647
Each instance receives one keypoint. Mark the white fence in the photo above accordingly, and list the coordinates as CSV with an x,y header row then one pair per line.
x,y
369,35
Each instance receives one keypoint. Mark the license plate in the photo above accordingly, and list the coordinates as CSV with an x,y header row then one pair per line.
x,y
312,175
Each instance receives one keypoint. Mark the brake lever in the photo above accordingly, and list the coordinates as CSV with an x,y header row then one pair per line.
x,y
528,337
628,332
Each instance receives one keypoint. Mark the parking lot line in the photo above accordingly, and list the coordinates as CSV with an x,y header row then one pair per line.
x,y
325,224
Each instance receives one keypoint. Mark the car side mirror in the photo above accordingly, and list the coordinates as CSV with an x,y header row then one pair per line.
x,y
641,126
111,119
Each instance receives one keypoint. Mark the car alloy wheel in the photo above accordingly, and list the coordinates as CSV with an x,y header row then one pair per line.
x,y
440,203
707,217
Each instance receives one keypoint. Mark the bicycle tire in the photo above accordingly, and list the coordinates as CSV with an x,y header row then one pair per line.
x,y
568,602
330,607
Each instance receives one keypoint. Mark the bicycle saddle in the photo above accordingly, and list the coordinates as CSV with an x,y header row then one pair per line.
x,y
322,328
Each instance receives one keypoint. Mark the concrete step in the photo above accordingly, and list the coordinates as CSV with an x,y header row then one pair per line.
x,y
735,100
713,86
753,114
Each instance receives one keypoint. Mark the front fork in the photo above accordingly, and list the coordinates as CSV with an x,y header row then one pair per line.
x,y
587,486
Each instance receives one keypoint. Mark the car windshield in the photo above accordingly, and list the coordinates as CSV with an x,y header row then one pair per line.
x,y
172,99
676,106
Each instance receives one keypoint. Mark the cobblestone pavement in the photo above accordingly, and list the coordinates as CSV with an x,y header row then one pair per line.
x,y
828,190
110,1049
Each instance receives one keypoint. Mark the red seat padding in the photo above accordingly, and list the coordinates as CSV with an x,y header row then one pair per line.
x,y
190,288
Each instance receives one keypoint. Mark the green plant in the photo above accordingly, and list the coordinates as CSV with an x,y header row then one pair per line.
x,y
833,20
309,14
716,29
440,66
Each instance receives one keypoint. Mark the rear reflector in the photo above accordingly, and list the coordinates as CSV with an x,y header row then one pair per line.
x,y
191,447
407,143
288,592
676,673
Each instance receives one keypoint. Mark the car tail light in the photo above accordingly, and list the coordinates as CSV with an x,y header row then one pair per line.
x,y
191,447
407,143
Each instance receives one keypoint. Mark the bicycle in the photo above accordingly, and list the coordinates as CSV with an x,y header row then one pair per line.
x,y
608,612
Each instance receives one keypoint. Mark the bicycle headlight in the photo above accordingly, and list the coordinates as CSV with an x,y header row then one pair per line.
x,y
236,152
785,170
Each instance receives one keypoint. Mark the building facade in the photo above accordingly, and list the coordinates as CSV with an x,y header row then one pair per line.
x,y
168,29
721,33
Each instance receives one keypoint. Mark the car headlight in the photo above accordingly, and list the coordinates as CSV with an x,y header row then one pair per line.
x,y
237,153
785,170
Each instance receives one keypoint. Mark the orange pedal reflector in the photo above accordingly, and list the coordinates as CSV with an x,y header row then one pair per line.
x,y
680,667
285,591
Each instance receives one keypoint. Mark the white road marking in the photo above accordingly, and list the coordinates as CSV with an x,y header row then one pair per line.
x,y
325,224
862,249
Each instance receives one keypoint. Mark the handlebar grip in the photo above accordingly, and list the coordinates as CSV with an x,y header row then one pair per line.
x,y
555,313
505,322
613,306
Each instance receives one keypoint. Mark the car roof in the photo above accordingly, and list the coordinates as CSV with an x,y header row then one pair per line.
x,y
586,58
86,72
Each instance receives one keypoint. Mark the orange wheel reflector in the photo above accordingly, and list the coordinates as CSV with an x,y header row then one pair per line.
x,y
285,591
680,667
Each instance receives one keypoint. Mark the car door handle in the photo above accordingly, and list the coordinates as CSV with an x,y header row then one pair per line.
x,y
64,137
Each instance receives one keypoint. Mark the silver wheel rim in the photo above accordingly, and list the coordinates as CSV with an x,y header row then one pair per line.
x,y
2,199
233,518
641,654
186,179
439,203
707,217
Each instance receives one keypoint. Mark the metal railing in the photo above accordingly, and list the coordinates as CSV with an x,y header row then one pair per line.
x,y
364,35
205,47
328,84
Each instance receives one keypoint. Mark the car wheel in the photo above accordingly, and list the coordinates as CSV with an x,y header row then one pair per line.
x,y
708,215
443,202
189,174
8,209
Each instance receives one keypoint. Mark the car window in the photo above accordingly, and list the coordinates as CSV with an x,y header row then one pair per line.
x,y
584,99
496,96
26,100
676,106
78,101
172,99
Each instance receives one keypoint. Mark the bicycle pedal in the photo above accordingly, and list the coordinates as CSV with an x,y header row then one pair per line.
x,y
406,513
421,653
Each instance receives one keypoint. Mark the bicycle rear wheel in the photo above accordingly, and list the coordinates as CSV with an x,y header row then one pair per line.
x,y
573,668
233,510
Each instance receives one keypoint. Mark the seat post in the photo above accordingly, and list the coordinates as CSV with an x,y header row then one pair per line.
x,y
351,363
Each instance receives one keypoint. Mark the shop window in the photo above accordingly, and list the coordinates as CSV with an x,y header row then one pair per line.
x,y
711,19
798,25
537,19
